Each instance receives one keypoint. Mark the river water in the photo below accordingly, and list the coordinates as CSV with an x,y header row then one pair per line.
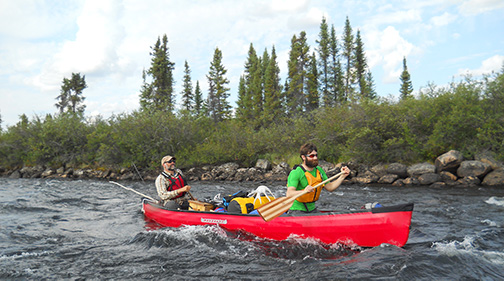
x,y
90,229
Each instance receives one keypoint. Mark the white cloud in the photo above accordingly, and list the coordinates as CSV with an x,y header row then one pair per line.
x,y
388,49
475,7
94,50
444,19
494,63
397,17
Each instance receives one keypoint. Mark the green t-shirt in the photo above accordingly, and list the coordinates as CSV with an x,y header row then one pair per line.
x,y
298,179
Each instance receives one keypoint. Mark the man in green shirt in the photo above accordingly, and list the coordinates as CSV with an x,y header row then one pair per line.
x,y
307,175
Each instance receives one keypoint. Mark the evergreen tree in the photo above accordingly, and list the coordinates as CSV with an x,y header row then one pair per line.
x,y
158,94
187,94
406,85
370,86
348,55
336,84
70,98
218,107
324,53
297,68
273,101
199,105
255,89
360,66
244,102
248,88
312,99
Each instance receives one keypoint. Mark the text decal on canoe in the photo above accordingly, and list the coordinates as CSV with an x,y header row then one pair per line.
x,y
213,221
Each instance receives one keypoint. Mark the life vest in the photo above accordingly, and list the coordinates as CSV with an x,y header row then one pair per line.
x,y
176,182
313,181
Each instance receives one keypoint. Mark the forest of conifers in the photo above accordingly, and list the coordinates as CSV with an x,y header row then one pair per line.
x,y
328,98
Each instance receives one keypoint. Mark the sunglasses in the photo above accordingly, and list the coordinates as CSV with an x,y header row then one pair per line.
x,y
170,161
312,155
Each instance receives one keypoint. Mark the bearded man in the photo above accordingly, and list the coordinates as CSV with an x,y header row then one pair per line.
x,y
306,176
171,186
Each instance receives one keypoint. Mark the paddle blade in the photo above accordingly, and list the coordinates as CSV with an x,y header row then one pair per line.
x,y
275,208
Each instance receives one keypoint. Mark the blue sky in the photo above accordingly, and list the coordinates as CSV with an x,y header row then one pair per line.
x,y
108,41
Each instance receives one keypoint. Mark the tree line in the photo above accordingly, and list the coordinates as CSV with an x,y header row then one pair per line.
x,y
328,98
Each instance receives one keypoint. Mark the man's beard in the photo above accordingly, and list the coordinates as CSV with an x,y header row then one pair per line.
x,y
172,168
311,163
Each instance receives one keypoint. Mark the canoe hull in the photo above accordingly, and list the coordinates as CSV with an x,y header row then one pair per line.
x,y
365,228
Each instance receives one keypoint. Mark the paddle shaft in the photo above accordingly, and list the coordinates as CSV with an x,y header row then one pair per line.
x,y
280,205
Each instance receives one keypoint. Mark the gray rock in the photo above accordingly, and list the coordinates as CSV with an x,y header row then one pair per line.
x,y
380,170
398,169
417,170
469,181
263,164
473,168
494,178
225,171
438,185
488,158
281,168
15,175
366,178
411,181
449,161
388,179
47,173
429,178
447,176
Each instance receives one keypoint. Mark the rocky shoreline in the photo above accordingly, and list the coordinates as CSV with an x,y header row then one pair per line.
x,y
449,169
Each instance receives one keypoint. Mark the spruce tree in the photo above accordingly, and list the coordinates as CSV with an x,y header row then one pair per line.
x,y
324,52
348,55
248,87
370,86
243,104
199,104
360,66
336,82
70,98
273,100
406,85
187,93
158,94
296,77
312,98
217,106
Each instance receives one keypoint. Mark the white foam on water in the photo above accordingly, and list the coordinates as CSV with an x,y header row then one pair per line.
x,y
490,223
466,247
24,255
499,201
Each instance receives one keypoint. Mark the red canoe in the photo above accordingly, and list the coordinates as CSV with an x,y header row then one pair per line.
x,y
365,228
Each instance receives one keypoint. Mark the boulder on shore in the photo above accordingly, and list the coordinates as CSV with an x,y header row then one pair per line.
x,y
429,178
263,164
398,169
450,161
495,177
473,168
420,169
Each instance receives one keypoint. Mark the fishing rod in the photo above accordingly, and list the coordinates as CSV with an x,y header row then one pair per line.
x,y
138,172
131,189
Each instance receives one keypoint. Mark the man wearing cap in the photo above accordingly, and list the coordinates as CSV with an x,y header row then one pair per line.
x,y
171,186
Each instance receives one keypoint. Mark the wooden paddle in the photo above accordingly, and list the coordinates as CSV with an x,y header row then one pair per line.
x,y
280,205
